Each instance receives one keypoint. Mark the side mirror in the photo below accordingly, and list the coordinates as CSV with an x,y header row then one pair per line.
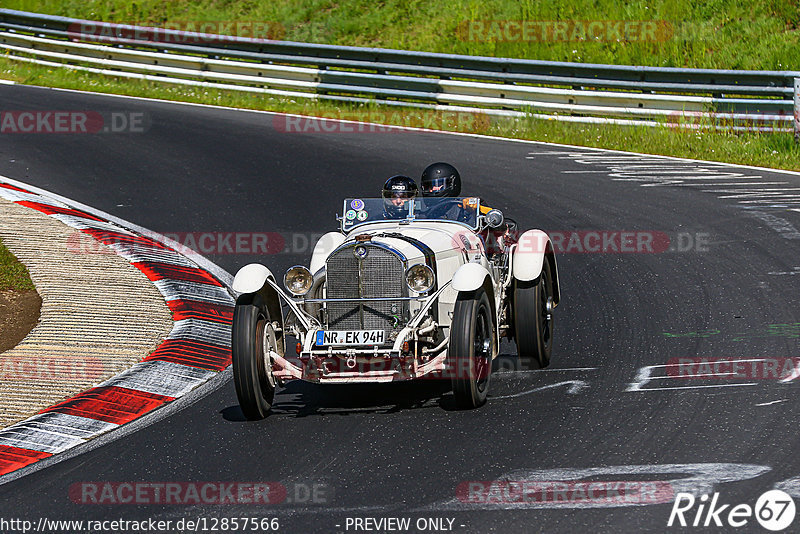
x,y
494,218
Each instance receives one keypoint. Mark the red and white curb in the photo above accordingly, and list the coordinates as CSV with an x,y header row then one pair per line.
x,y
196,350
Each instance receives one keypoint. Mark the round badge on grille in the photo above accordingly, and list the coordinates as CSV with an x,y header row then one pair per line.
x,y
360,251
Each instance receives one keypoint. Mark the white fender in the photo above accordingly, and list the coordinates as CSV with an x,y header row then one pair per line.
x,y
529,255
470,277
326,244
251,278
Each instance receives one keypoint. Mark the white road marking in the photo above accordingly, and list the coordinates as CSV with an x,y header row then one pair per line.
x,y
741,183
796,270
575,387
513,371
659,171
795,373
783,227
645,375
771,403
531,155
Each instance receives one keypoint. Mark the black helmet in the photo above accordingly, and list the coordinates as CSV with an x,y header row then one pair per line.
x,y
398,187
440,180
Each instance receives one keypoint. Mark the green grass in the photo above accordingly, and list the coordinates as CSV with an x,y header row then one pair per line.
x,y
760,34
754,34
13,274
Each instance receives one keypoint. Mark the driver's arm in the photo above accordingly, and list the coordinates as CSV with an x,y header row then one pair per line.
x,y
483,209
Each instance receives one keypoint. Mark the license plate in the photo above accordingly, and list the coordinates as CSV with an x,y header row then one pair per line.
x,y
350,337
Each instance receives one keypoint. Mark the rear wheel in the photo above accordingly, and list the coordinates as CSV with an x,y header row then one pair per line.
x,y
470,351
533,318
253,337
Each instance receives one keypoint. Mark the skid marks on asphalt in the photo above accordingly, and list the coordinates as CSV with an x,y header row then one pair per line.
x,y
514,379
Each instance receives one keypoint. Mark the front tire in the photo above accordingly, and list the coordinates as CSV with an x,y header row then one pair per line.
x,y
533,318
471,348
252,369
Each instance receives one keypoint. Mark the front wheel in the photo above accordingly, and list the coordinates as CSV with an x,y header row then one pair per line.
x,y
533,318
471,346
253,336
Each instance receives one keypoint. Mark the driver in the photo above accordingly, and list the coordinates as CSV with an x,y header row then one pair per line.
x,y
440,180
443,180
397,192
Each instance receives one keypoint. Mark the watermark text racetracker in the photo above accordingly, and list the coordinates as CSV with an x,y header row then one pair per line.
x,y
46,368
565,492
73,122
383,122
710,368
177,32
564,30
205,493
282,242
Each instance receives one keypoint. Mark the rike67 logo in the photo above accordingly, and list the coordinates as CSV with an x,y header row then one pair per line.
x,y
774,510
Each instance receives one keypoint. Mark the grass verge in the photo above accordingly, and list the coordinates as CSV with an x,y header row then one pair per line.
x,y
723,34
749,148
13,274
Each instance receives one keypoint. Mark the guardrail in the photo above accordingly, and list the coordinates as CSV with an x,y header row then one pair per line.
x,y
733,99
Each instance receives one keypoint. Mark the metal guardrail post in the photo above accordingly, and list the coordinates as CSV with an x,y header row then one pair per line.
x,y
797,110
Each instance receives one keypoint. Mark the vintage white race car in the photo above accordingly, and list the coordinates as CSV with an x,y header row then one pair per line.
x,y
401,292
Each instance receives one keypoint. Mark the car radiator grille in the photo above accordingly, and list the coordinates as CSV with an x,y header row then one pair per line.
x,y
379,274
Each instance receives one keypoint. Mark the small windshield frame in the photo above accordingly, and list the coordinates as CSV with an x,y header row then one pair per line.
x,y
461,210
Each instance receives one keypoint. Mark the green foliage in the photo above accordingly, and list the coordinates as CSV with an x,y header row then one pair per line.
x,y
758,34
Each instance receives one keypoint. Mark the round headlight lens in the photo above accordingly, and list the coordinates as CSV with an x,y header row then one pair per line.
x,y
420,278
298,280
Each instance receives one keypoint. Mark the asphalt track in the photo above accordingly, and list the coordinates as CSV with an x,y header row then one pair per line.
x,y
401,450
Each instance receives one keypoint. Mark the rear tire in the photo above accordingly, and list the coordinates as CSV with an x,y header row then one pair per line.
x,y
533,318
252,369
471,348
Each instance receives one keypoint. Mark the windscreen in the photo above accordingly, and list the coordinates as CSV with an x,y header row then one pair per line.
x,y
457,209
358,211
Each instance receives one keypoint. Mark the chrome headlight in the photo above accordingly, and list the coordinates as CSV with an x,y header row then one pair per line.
x,y
420,278
298,280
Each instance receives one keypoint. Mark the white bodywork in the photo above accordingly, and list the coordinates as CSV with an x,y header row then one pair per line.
x,y
251,278
461,265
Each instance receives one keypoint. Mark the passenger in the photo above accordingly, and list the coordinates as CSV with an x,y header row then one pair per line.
x,y
397,192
